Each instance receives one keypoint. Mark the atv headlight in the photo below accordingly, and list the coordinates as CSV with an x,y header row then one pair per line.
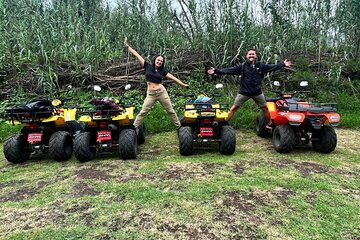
x,y
294,117
334,118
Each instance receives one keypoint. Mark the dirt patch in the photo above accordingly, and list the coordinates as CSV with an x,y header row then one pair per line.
x,y
11,184
129,177
189,171
84,211
92,173
19,194
82,189
283,163
311,197
187,232
239,168
12,220
306,168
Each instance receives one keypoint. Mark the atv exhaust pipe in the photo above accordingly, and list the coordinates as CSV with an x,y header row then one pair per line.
x,y
215,124
112,127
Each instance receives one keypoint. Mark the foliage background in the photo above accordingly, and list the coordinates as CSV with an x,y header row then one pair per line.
x,y
47,45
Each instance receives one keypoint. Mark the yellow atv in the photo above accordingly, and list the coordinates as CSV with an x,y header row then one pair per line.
x,y
204,123
108,126
47,127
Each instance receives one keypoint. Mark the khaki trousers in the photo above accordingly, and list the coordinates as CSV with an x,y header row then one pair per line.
x,y
152,96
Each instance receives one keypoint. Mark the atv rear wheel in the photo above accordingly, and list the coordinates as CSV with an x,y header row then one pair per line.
x,y
82,147
261,126
141,134
228,140
128,144
16,149
283,139
60,146
325,140
186,141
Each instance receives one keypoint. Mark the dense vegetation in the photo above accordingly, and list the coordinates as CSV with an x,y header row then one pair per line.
x,y
46,45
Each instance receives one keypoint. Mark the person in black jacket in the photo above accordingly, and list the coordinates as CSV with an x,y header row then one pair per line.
x,y
250,83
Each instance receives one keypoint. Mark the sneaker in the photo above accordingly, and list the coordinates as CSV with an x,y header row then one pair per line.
x,y
268,127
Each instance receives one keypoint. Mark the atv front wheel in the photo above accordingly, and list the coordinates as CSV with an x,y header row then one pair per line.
x,y
60,146
228,140
261,126
82,147
325,140
283,139
186,141
16,149
128,144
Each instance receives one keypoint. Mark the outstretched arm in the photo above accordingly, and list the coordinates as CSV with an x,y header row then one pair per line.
x,y
134,52
273,67
171,77
230,71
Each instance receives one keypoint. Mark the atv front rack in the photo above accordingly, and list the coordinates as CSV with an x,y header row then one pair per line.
x,y
309,107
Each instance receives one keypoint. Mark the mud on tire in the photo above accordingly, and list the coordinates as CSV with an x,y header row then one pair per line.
x,y
283,139
60,146
228,140
16,149
82,147
128,144
325,140
186,141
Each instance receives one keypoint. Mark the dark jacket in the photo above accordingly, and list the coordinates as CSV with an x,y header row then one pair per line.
x,y
250,83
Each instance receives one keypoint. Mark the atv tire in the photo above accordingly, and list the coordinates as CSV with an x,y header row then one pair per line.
x,y
141,134
16,149
283,139
261,126
128,144
60,146
326,140
228,140
186,141
82,147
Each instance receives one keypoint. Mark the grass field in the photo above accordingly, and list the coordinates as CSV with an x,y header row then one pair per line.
x,y
256,193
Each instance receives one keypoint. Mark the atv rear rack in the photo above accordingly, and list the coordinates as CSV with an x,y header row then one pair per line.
x,y
102,112
14,114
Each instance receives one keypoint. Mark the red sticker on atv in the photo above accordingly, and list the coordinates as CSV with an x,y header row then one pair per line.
x,y
34,137
206,132
104,135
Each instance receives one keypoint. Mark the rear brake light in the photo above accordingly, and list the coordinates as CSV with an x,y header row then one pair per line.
x,y
33,126
98,113
26,114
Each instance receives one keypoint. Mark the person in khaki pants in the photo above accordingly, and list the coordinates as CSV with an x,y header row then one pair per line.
x,y
154,74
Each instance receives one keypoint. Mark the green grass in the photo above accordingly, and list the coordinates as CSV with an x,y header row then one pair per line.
x,y
256,193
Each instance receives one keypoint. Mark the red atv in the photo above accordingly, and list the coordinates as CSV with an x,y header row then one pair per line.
x,y
296,121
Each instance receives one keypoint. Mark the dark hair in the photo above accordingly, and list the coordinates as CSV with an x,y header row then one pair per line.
x,y
153,62
251,49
